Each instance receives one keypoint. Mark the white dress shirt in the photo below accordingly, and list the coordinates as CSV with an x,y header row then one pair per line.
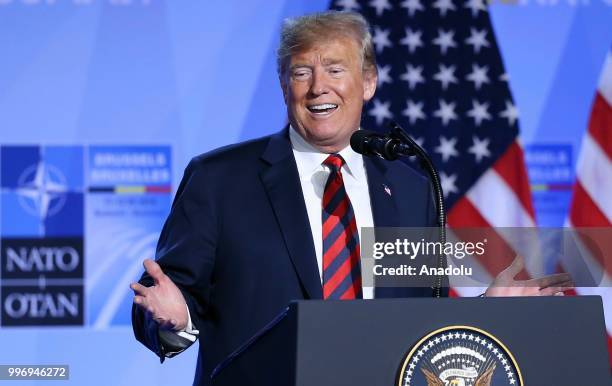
x,y
313,177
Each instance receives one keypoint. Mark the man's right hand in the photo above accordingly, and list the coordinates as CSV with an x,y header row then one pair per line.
x,y
163,300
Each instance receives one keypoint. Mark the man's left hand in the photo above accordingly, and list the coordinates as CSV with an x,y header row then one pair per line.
x,y
505,284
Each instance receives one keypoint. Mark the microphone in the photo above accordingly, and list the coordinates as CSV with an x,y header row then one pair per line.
x,y
370,143
390,147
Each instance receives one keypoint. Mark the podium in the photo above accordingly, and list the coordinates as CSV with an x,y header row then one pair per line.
x,y
537,341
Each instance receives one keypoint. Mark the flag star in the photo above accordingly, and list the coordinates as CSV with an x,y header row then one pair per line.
x,y
446,148
480,148
383,75
381,39
479,112
504,77
413,75
477,39
448,183
412,6
445,40
380,6
412,39
444,6
348,5
446,112
414,111
478,75
380,111
511,113
446,75
476,6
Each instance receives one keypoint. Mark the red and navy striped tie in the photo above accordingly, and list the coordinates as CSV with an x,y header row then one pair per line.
x,y
341,258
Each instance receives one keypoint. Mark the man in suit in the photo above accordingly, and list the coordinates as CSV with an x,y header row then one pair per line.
x,y
249,230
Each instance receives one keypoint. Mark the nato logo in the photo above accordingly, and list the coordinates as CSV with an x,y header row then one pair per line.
x,y
42,191
42,216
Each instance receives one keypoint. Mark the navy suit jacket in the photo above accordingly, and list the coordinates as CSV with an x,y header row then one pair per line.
x,y
238,242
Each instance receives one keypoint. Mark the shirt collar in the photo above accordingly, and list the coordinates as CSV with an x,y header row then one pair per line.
x,y
309,159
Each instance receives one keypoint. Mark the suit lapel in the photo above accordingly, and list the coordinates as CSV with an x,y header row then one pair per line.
x,y
383,198
281,181
382,194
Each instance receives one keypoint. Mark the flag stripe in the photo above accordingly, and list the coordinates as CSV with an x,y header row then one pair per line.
x,y
511,167
594,171
465,214
497,202
587,214
605,81
601,120
584,212
467,291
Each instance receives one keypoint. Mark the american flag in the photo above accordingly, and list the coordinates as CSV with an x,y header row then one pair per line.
x,y
592,198
441,77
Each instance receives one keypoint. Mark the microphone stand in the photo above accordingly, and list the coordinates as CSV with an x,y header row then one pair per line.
x,y
412,148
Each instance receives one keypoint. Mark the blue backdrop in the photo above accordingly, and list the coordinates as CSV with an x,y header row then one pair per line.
x,y
109,99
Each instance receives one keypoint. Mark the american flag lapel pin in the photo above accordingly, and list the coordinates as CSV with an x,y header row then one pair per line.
x,y
387,190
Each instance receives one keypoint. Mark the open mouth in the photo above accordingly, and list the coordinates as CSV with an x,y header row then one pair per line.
x,y
323,108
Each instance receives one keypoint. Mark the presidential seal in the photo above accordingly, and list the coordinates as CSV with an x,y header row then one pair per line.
x,y
459,356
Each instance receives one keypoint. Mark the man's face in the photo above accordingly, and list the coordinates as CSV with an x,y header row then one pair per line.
x,y
324,89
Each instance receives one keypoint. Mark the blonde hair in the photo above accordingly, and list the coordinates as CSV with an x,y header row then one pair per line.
x,y
301,33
